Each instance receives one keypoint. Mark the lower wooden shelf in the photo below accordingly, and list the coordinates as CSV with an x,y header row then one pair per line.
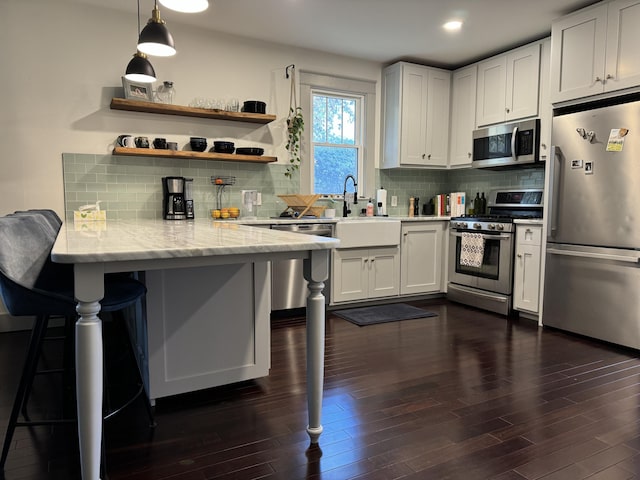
x,y
187,154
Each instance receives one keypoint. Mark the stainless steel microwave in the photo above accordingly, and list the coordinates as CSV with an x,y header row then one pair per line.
x,y
507,145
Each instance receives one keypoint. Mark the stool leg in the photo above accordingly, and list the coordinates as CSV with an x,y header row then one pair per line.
x,y
26,379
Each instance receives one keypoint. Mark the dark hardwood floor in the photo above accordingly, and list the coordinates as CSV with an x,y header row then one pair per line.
x,y
464,395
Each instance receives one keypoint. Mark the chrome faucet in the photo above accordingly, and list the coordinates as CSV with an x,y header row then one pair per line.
x,y
345,208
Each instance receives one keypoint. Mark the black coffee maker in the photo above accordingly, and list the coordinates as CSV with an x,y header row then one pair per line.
x,y
173,202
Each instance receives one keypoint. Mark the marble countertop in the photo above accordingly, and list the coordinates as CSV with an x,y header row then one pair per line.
x,y
287,221
126,240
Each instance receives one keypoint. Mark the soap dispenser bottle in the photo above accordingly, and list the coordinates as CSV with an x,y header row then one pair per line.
x,y
370,208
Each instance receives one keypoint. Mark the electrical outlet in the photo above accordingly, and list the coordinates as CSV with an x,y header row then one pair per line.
x,y
258,199
394,201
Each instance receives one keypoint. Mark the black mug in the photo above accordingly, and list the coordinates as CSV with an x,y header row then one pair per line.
x,y
160,143
142,142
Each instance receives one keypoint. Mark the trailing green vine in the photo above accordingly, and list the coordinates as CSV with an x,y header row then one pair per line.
x,y
295,127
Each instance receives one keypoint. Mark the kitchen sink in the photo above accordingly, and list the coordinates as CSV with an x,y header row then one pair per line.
x,y
367,232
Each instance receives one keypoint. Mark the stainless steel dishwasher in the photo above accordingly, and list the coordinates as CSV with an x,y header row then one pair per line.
x,y
288,286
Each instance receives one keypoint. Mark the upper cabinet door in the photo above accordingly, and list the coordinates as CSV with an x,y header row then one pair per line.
x,y
623,45
492,78
463,116
438,106
523,74
415,83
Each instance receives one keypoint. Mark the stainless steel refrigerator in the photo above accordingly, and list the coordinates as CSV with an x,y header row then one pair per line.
x,y
592,276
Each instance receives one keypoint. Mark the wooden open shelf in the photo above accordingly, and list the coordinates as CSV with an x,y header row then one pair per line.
x,y
165,109
187,154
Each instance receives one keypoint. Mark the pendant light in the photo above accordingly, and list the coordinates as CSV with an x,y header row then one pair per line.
x,y
139,68
155,38
186,6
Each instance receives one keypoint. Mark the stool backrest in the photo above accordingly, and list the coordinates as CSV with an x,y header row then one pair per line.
x,y
26,240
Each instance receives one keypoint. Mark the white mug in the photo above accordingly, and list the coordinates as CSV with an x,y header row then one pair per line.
x,y
126,141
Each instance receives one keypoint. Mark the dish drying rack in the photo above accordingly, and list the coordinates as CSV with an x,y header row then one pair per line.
x,y
303,204
221,181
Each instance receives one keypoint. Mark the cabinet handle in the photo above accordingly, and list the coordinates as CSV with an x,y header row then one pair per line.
x,y
429,156
373,260
507,110
519,255
469,154
609,76
423,155
598,79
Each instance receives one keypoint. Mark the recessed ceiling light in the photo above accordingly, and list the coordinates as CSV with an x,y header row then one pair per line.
x,y
452,26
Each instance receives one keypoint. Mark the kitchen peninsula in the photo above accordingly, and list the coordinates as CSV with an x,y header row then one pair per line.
x,y
150,245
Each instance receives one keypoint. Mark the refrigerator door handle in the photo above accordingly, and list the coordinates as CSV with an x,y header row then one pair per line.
x,y
597,256
514,137
554,180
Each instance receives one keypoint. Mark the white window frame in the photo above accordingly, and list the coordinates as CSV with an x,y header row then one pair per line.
x,y
359,134
331,84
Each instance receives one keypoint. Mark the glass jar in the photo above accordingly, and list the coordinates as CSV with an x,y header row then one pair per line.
x,y
165,93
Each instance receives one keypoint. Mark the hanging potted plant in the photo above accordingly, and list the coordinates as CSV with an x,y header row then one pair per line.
x,y
295,127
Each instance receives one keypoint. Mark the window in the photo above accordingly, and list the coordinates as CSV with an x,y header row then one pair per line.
x,y
336,145
339,134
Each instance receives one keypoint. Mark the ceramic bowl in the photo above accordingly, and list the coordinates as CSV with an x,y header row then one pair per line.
x,y
254,106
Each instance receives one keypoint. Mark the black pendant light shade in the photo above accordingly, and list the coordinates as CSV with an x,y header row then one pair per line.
x,y
140,69
155,38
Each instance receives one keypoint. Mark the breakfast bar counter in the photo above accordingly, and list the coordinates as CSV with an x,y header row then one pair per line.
x,y
97,248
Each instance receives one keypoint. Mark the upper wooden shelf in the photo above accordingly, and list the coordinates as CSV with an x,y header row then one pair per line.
x,y
165,109
154,152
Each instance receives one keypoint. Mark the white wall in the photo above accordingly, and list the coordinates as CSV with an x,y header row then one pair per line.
x,y
62,63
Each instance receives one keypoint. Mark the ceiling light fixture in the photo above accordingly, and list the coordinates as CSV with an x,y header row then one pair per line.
x,y
452,26
186,6
155,38
139,68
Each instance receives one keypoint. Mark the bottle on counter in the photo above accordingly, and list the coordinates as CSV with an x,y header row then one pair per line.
x,y
370,208
483,204
411,206
477,204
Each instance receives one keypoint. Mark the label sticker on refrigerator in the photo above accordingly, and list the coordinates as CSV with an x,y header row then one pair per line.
x,y
576,163
616,139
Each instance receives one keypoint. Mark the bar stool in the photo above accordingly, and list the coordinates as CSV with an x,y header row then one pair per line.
x,y
32,285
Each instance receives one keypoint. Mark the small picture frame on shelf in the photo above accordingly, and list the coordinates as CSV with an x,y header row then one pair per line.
x,y
137,90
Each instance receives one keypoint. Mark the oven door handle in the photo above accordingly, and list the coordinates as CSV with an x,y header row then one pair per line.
x,y
485,236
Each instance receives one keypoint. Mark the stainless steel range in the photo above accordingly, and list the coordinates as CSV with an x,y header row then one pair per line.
x,y
486,281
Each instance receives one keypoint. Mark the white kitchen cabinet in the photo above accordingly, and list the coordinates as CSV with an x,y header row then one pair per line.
x,y
421,257
463,116
508,86
526,272
595,50
365,273
416,116
206,326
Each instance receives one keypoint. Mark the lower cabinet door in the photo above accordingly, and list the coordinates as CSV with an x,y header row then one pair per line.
x,y
350,278
421,258
384,269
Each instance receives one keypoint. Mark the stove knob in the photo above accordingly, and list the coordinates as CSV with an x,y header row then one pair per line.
x,y
477,226
500,226
492,226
